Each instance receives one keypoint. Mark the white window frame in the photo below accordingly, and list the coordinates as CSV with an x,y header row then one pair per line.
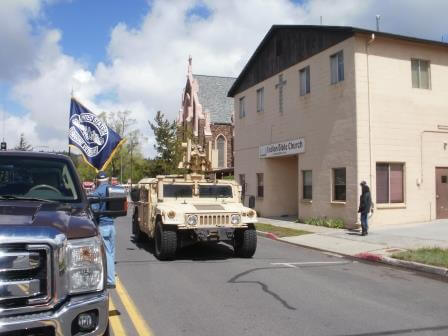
x,y
305,88
225,150
260,100
335,74
242,107
403,165
419,84
303,184
333,187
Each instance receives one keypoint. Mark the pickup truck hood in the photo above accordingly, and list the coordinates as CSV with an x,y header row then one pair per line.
x,y
71,221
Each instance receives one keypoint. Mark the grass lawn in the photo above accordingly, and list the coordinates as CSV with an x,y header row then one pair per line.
x,y
430,256
280,231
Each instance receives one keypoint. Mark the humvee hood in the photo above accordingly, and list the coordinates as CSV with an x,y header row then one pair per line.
x,y
71,221
202,207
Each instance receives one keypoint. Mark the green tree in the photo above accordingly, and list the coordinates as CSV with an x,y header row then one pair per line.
x,y
167,146
23,144
128,157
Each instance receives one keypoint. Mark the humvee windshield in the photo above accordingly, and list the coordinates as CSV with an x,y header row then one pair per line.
x,y
35,178
178,190
215,191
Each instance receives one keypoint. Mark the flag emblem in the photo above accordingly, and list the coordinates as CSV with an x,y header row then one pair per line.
x,y
92,136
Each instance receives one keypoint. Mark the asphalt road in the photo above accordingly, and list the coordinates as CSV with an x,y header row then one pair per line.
x,y
283,290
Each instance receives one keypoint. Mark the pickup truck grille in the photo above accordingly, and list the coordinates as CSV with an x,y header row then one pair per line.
x,y
214,219
25,275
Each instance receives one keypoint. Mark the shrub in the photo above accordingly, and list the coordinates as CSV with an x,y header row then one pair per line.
x,y
334,223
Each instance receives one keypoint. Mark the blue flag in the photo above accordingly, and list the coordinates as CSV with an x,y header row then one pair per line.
x,y
96,141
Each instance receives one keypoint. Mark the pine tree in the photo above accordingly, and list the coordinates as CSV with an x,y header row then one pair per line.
x,y
23,144
167,145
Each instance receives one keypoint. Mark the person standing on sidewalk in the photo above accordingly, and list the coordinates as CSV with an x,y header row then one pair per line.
x,y
106,227
365,205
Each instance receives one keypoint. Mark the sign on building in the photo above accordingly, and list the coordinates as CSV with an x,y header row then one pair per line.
x,y
290,147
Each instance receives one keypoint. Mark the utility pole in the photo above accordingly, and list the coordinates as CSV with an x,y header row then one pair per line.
x,y
121,156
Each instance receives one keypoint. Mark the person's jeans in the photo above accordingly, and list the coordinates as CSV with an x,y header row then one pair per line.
x,y
364,224
107,231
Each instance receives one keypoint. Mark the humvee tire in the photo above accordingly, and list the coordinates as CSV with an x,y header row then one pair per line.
x,y
245,242
165,242
139,235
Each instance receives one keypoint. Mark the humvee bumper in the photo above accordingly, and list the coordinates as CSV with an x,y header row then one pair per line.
x,y
214,234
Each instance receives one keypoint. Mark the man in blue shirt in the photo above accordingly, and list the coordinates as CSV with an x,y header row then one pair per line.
x,y
106,227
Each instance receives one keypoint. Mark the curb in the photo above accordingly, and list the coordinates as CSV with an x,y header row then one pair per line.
x,y
367,256
440,271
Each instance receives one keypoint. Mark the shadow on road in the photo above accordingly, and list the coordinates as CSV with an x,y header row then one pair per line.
x,y
196,252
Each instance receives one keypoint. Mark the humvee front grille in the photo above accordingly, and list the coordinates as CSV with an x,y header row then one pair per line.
x,y
214,219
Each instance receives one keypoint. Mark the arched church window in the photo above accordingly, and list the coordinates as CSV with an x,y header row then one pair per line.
x,y
221,146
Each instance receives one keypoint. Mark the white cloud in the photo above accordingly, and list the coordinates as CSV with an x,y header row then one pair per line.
x,y
146,66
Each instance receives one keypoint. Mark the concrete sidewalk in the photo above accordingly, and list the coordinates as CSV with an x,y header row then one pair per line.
x,y
378,245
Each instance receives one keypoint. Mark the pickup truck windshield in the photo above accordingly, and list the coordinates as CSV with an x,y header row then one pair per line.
x,y
216,191
37,178
178,190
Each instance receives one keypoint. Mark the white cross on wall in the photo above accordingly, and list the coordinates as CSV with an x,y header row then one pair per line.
x,y
281,83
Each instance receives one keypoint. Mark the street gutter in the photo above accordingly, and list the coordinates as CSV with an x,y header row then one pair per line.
x,y
368,256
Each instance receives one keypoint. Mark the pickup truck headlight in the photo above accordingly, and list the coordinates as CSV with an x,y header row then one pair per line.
x,y
85,265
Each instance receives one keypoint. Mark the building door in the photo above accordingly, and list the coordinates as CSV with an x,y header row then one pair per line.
x,y
442,192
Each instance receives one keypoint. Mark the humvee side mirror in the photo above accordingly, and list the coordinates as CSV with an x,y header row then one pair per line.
x,y
135,195
116,202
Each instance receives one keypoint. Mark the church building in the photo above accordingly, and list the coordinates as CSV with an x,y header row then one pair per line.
x,y
321,108
206,117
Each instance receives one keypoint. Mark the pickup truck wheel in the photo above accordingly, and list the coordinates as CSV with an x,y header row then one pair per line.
x,y
139,235
245,242
107,333
165,242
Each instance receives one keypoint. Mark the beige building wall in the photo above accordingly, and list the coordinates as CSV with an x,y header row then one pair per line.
x,y
325,118
403,120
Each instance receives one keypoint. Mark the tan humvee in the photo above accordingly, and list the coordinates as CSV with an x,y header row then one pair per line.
x,y
177,211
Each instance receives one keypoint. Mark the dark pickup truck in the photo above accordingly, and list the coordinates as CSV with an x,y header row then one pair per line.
x,y
52,259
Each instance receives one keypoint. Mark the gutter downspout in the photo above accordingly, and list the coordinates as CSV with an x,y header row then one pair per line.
x,y
369,42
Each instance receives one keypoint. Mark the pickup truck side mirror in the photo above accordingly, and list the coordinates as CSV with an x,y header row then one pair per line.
x,y
116,202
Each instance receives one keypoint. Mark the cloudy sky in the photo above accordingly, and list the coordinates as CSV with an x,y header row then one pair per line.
x,y
132,55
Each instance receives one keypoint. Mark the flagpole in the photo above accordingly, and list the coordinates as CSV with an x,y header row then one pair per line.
x,y
69,148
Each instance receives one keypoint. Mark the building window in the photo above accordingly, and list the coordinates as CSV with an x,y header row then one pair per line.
x,y
221,146
260,100
307,184
305,86
243,186
421,75
389,183
337,67
339,185
260,185
242,107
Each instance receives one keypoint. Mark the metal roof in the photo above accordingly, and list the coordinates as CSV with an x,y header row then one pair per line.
x,y
233,90
213,97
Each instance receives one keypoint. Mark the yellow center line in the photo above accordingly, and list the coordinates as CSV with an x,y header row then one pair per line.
x,y
136,318
114,320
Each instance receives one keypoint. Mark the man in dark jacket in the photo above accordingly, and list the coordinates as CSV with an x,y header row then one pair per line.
x,y
365,204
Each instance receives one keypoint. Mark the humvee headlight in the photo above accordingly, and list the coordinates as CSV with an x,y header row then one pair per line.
x,y
192,220
171,214
235,219
251,214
